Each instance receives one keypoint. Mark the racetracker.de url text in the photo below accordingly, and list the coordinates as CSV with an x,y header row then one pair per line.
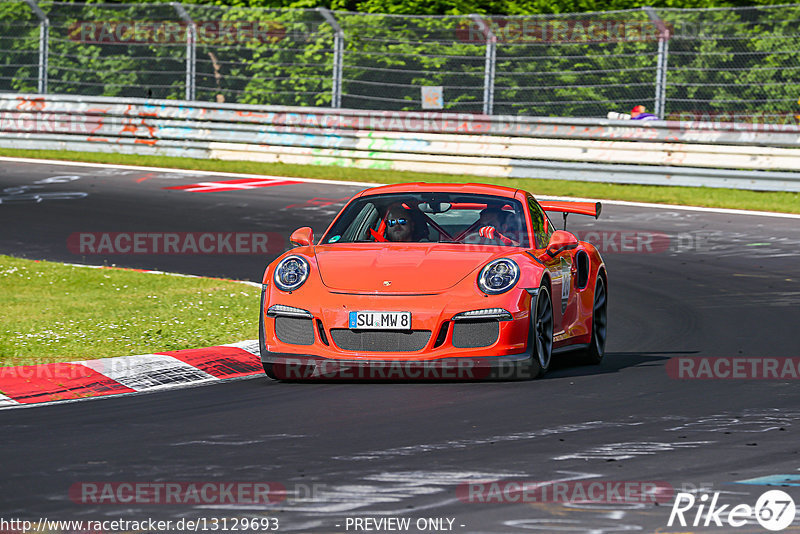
x,y
200,524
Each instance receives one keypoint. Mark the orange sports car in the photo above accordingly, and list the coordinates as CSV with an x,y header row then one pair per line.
x,y
434,281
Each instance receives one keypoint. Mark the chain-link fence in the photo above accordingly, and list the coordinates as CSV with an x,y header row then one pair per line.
x,y
734,63
722,64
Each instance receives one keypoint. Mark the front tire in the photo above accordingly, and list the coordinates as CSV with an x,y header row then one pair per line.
x,y
540,337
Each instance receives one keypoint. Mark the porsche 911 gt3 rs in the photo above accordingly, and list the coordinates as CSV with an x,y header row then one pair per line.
x,y
434,281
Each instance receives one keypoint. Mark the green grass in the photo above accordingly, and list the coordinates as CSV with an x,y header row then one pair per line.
x,y
56,313
690,196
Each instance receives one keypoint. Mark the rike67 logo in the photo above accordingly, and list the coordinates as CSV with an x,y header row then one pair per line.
x,y
774,510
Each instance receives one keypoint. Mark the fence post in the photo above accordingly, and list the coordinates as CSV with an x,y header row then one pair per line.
x,y
338,53
191,50
489,64
44,45
661,64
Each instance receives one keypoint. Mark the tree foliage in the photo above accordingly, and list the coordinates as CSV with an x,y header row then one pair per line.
x,y
742,61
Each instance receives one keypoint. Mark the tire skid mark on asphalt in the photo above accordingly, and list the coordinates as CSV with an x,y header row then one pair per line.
x,y
370,497
748,422
587,517
447,477
224,440
631,449
744,422
762,299
465,443
340,499
742,244
389,488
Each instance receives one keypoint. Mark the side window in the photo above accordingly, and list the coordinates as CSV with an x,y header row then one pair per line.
x,y
362,222
541,230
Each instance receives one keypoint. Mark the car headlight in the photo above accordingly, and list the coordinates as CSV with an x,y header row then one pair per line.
x,y
291,273
498,276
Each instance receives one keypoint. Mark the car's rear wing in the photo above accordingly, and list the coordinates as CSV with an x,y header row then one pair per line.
x,y
581,208
592,209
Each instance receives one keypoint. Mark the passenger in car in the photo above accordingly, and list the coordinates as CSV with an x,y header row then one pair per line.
x,y
492,224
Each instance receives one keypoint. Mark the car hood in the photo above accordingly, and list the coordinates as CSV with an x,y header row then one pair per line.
x,y
397,267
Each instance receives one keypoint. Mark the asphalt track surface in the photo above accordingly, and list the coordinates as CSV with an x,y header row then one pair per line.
x,y
726,286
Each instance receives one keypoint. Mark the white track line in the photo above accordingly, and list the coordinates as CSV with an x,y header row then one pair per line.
x,y
364,184
179,171
7,401
727,211
147,271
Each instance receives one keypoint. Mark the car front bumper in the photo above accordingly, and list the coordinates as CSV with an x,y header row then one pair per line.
x,y
319,326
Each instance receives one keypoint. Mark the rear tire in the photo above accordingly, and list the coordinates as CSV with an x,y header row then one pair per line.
x,y
594,353
540,336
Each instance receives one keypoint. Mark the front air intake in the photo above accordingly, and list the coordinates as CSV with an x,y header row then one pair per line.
x,y
294,330
473,334
379,340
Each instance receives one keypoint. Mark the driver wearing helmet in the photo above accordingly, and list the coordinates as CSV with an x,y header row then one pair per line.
x,y
490,224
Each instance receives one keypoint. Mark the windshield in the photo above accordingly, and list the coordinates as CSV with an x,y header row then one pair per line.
x,y
431,217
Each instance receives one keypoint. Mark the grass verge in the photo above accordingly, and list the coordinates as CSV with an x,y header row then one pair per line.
x,y
58,313
689,196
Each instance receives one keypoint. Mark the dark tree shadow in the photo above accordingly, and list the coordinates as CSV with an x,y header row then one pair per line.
x,y
571,364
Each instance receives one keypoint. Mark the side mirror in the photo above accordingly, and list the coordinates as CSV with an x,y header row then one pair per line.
x,y
302,237
559,242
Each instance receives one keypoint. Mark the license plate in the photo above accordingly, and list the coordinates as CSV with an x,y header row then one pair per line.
x,y
377,320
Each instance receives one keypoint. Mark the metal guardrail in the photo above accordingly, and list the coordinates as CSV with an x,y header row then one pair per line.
x,y
746,156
